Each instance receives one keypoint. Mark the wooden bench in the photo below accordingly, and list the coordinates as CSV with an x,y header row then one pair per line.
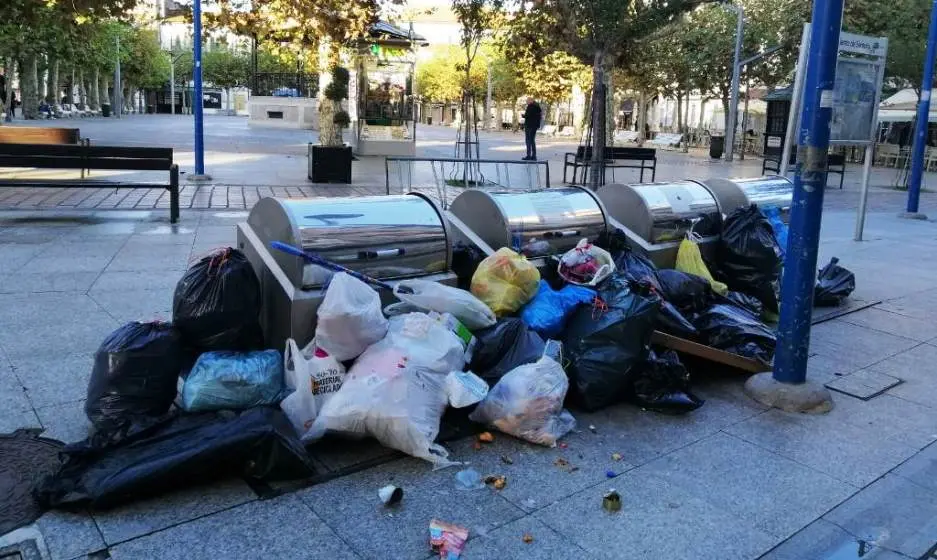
x,y
616,157
42,135
50,156
835,163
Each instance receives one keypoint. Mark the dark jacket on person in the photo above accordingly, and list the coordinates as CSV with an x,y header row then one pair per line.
x,y
533,114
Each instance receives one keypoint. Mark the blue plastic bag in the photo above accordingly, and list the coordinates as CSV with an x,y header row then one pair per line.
x,y
233,380
780,228
547,313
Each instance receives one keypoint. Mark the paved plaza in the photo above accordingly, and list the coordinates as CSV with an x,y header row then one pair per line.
x,y
732,480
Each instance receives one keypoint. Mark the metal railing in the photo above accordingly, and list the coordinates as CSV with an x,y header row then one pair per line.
x,y
405,173
285,84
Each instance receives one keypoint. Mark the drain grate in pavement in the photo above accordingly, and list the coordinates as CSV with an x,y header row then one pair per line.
x,y
24,459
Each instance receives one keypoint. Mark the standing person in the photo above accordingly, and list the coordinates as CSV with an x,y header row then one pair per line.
x,y
12,105
533,114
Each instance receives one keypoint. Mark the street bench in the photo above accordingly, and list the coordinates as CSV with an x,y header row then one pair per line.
x,y
52,156
835,163
43,135
667,140
616,157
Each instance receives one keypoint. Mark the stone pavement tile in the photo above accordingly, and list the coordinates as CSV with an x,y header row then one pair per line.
x,y
69,535
30,234
147,516
153,280
15,409
534,480
921,469
73,334
155,257
135,305
281,528
849,453
66,264
894,323
863,384
508,542
18,310
402,532
657,520
855,345
775,494
65,422
894,512
822,540
37,282
73,246
921,305
890,417
918,368
222,217
52,379
641,436
212,234
14,255
823,369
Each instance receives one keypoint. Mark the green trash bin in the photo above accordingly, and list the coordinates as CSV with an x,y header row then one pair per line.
x,y
717,145
105,110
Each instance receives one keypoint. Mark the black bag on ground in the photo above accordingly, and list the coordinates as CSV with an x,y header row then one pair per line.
x,y
465,261
746,302
217,303
728,327
173,453
688,292
633,265
749,257
504,346
671,321
834,284
662,384
603,343
135,373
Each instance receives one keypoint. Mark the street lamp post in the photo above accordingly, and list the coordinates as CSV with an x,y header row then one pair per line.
x,y
198,103
734,101
118,102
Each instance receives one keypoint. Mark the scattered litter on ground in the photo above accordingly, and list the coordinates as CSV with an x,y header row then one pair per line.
x,y
528,538
611,502
562,445
592,429
447,539
610,474
486,437
496,480
507,460
390,495
469,479
616,456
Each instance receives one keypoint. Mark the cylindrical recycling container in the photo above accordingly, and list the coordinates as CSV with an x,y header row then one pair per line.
x,y
105,110
717,145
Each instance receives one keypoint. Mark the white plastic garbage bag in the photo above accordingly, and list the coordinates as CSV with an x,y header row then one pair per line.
x,y
465,389
528,403
314,377
396,390
432,296
350,318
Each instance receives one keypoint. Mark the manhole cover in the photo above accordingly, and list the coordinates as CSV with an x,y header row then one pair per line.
x,y
24,459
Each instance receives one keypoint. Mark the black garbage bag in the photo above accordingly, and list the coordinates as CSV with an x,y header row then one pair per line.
x,y
728,327
135,373
662,384
504,346
173,453
465,260
746,302
688,292
671,321
749,257
834,284
217,303
632,264
604,342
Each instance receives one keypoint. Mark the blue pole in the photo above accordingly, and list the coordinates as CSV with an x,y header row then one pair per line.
x,y
197,78
923,111
800,266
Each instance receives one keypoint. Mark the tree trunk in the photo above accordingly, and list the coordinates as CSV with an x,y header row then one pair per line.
x,y
642,118
515,118
54,81
702,111
29,87
96,89
610,110
9,68
725,111
679,111
598,120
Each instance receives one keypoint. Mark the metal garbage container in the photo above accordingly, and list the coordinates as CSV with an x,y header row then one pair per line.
x,y
537,223
105,110
717,145
657,216
386,237
767,192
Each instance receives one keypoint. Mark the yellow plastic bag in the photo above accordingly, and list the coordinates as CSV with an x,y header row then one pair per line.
x,y
505,281
690,260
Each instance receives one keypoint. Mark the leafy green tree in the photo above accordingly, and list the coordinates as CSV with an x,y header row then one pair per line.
x,y
598,32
